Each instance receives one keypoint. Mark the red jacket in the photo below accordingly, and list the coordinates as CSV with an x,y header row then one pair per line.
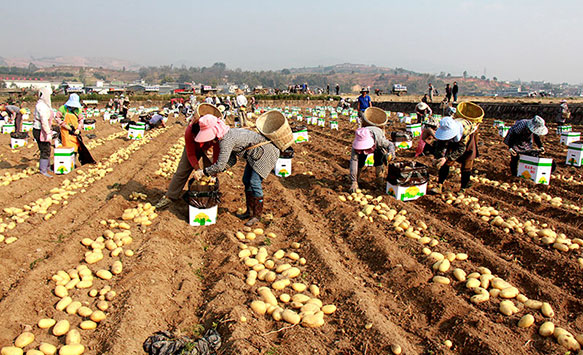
x,y
195,150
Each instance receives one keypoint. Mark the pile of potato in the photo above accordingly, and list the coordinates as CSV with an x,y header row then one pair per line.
x,y
531,196
170,160
283,295
68,188
569,179
446,265
69,284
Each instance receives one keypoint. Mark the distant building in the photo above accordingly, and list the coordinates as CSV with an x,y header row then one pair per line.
x,y
26,83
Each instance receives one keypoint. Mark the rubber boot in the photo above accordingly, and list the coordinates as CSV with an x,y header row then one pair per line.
x,y
249,202
466,182
257,210
43,166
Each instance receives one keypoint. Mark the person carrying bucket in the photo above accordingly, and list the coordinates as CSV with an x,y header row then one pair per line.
x,y
191,155
520,139
260,153
370,139
457,141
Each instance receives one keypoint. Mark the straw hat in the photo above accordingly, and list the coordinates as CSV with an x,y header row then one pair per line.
x,y
374,116
469,111
207,109
273,125
422,106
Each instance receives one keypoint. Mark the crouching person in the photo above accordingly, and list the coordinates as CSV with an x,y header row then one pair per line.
x,y
369,140
521,138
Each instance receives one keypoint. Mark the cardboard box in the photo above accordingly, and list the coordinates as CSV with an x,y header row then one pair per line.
x,y
498,123
106,116
136,132
564,128
503,131
321,122
570,137
406,193
283,167
575,154
26,126
353,118
8,128
369,160
17,143
64,160
404,144
89,127
334,125
301,136
299,117
405,119
415,129
535,169
202,216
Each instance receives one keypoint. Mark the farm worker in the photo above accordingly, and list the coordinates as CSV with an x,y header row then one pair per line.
x,y
242,105
520,139
260,153
125,106
157,120
564,113
425,145
454,91
41,128
448,93
337,89
14,115
70,118
456,141
190,158
369,140
422,110
363,103
430,92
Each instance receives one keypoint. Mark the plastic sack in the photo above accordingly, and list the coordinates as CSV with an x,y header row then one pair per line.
x,y
19,135
401,136
407,173
165,343
287,154
202,196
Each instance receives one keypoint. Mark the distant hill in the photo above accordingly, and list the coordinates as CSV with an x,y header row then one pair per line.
x,y
76,61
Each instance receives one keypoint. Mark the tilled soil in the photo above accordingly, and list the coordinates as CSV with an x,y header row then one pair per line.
x,y
187,279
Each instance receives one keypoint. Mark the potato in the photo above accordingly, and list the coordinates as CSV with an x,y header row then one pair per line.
x,y
11,350
258,231
482,295
459,274
309,308
259,307
436,256
279,254
494,292
84,311
396,349
313,320
24,339
299,287
500,283
47,348
300,298
276,315
284,297
116,267
46,323
461,256
63,303
97,316
244,253
271,276
73,349
533,304
443,265
441,280
250,236
329,309
267,295
315,290
568,342
61,328
73,337
84,284
526,321
521,298
73,307
102,305
291,273
104,274
546,329
270,264
509,292
291,316
547,310
507,308
88,325
250,262
472,283
293,255
485,280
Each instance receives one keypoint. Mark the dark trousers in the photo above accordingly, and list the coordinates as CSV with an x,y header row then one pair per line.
x,y
380,159
514,164
18,122
43,147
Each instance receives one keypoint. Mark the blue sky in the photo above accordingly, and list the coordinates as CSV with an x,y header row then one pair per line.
x,y
513,39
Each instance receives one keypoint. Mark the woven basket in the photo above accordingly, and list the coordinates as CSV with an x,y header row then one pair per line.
x,y
205,109
374,116
469,111
274,126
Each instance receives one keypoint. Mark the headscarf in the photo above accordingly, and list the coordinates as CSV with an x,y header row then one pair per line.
x,y
45,95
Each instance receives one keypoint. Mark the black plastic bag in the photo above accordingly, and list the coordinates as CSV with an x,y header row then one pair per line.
x,y
401,136
165,343
19,135
287,154
407,173
202,196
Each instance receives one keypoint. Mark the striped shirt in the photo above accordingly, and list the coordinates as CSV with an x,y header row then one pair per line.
x,y
261,159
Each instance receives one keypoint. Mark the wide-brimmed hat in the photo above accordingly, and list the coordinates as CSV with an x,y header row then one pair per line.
x,y
364,90
73,101
537,126
211,127
448,129
422,106
222,108
362,139
206,109
374,116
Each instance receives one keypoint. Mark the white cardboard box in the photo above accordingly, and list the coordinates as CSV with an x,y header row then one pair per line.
x,y
565,128
404,144
8,128
415,129
405,119
64,160
321,122
283,167
535,169
498,123
570,137
136,132
301,136
26,126
406,193
575,154
334,125
503,131
89,127
17,143
202,216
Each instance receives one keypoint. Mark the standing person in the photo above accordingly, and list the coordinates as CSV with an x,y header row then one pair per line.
x,y
70,118
369,140
520,139
363,103
448,93
457,141
430,92
337,89
14,116
425,98
191,155
42,129
260,153
454,91
125,106
564,114
242,105
328,89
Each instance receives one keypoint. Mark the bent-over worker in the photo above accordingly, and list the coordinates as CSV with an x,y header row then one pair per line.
x,y
521,137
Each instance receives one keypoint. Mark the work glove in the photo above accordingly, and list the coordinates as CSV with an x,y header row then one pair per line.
x,y
439,162
512,152
354,187
198,174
